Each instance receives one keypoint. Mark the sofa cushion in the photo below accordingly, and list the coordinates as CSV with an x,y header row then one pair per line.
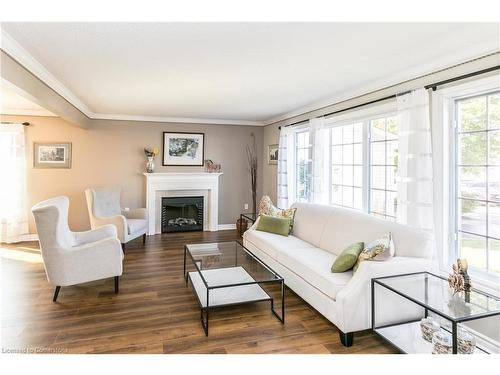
x,y
310,221
346,226
106,201
276,225
313,265
136,225
271,243
348,258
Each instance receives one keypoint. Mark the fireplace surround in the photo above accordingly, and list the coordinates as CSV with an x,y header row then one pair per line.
x,y
169,184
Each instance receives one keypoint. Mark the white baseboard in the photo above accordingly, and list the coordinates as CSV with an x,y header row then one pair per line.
x,y
24,238
227,226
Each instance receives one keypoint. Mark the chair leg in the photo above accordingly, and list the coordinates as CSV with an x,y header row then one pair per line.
x,y
346,338
144,239
56,293
117,286
123,246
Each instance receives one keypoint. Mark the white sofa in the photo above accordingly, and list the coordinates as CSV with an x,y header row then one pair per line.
x,y
320,233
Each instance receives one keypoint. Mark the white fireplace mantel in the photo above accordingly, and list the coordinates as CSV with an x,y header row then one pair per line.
x,y
156,183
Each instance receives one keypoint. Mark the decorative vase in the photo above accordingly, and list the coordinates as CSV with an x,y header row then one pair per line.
x,y
150,165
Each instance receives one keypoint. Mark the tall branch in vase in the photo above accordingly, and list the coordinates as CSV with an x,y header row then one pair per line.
x,y
252,168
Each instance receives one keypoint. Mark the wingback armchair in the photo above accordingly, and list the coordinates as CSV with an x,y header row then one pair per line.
x,y
104,208
72,258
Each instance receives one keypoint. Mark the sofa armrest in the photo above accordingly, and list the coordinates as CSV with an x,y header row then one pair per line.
x,y
136,213
369,270
90,261
354,300
119,221
95,234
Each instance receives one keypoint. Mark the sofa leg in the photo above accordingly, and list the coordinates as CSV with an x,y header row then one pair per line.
x,y
117,284
56,293
144,239
346,338
123,246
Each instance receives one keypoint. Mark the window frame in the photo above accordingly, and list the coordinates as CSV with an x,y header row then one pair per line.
x,y
454,165
443,128
363,116
297,131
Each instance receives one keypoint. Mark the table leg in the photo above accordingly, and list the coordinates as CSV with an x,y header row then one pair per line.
x,y
185,274
373,304
454,337
282,317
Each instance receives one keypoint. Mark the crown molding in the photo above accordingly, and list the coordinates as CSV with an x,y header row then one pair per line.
x,y
188,120
25,59
27,112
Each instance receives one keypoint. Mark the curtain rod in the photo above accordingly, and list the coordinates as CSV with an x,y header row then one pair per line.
x,y
432,86
10,123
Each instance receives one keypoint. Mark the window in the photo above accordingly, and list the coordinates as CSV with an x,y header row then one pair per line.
x,y
366,180
477,180
383,167
347,166
362,165
303,166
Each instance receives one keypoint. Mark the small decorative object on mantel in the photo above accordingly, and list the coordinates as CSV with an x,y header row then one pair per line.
x,y
151,153
429,326
459,279
212,167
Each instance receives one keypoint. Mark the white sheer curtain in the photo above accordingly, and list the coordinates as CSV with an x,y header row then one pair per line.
x,y
286,170
320,157
13,205
415,177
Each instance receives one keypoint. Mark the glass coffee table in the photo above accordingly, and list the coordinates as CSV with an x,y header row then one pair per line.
x,y
410,297
227,274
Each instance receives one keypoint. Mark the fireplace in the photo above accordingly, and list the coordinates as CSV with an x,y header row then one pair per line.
x,y
181,214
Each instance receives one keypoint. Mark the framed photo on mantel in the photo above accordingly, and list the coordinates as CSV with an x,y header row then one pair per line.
x,y
187,149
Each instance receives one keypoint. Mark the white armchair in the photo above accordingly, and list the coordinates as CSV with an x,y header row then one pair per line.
x,y
72,258
104,208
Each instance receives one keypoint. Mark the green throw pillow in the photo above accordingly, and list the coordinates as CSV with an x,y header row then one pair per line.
x,y
347,258
271,224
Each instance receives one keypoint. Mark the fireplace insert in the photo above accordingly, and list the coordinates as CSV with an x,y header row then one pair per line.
x,y
181,214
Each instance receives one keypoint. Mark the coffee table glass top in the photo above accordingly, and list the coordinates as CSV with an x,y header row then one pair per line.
x,y
229,255
433,292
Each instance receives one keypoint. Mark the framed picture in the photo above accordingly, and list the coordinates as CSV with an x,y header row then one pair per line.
x,y
183,149
52,155
272,154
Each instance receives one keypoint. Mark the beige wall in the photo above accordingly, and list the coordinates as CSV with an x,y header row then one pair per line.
x,y
111,153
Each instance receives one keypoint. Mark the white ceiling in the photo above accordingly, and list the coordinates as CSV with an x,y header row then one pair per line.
x,y
237,72
11,103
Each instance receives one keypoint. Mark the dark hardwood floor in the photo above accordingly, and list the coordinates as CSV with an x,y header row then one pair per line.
x,y
154,312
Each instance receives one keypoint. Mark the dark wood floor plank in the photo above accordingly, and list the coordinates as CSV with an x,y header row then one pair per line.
x,y
155,312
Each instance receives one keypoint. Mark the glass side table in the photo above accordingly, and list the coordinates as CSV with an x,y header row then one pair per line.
x,y
249,216
410,297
